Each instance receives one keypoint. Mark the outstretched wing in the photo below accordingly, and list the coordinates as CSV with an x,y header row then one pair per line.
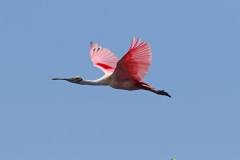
x,y
103,58
135,63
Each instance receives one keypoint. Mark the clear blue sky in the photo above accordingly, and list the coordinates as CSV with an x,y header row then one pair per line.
x,y
196,57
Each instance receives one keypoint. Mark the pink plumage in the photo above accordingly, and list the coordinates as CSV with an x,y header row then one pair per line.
x,y
102,58
127,73
135,63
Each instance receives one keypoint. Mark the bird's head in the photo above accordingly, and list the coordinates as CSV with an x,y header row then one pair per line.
x,y
76,79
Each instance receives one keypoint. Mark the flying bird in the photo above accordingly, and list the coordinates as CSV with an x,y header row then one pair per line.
x,y
126,73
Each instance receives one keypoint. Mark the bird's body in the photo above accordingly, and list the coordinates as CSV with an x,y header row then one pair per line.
x,y
127,85
126,73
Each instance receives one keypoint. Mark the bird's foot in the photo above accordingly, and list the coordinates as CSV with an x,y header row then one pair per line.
x,y
164,93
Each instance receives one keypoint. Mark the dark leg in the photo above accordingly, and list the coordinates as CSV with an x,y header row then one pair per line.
x,y
162,92
146,86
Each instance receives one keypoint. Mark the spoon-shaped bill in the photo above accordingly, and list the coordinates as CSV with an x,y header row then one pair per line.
x,y
60,79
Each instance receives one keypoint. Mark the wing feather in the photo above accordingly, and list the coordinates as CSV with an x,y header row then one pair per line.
x,y
102,58
135,63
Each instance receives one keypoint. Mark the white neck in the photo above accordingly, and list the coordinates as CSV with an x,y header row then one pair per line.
x,y
90,82
98,82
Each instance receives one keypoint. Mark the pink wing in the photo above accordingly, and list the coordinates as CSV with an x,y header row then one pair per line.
x,y
103,58
135,63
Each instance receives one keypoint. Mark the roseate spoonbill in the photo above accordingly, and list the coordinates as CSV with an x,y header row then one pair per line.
x,y
126,73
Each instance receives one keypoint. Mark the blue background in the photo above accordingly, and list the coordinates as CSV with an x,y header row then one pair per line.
x,y
195,57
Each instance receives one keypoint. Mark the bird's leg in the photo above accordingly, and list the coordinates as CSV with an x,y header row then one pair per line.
x,y
162,92
148,87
